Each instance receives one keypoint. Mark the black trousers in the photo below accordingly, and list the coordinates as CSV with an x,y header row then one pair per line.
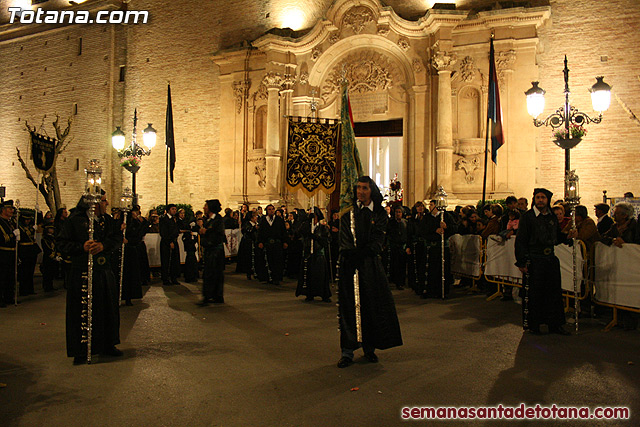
x,y
170,261
7,277
26,269
213,274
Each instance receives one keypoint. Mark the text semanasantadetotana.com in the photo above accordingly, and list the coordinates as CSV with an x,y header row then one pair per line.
x,y
510,412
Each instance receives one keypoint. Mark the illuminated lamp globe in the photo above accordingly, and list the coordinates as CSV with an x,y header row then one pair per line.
x,y
535,100
600,95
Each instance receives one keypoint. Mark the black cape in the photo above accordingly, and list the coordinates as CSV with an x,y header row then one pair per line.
x,y
380,326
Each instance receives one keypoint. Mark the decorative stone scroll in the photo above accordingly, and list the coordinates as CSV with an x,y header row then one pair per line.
x,y
403,44
366,72
357,17
272,80
443,61
467,69
240,91
469,166
504,63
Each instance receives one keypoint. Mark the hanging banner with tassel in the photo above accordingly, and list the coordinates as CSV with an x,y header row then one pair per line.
x,y
311,154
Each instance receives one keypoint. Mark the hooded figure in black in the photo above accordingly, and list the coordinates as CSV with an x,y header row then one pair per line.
x,y
212,239
538,233
314,278
74,242
380,327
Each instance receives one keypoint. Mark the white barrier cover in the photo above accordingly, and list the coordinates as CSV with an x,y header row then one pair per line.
x,y
565,256
617,279
152,240
501,259
233,241
466,254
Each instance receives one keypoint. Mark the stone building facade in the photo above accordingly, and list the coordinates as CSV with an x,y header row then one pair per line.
x,y
233,80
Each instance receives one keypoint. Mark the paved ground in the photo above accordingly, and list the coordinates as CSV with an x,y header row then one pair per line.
x,y
266,358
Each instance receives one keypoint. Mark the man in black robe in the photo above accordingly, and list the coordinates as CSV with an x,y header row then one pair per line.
x,y
438,228
419,228
212,239
28,251
379,321
132,269
397,241
169,250
8,235
272,241
538,233
315,276
74,242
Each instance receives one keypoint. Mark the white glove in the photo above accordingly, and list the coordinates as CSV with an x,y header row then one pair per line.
x,y
16,233
193,224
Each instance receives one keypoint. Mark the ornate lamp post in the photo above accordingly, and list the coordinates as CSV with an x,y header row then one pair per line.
x,y
568,116
133,152
92,195
126,203
441,205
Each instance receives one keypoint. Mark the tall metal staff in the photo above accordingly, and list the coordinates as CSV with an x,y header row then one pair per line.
x,y
356,281
126,203
573,199
16,288
441,205
91,196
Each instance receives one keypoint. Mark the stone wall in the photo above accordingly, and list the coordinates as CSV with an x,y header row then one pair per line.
x,y
599,39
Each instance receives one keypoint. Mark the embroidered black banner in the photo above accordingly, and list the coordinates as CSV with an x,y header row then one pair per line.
x,y
43,151
311,156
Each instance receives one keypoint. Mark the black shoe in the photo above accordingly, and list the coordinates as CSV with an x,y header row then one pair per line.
x,y
275,282
535,331
128,302
113,351
167,283
218,300
344,362
326,300
79,360
400,288
203,303
560,331
248,276
506,297
371,357
175,282
308,299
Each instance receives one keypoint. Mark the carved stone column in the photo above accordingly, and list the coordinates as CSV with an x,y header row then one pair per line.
x,y
443,62
273,156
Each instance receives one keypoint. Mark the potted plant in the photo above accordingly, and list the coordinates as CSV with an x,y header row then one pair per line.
x,y
566,139
131,163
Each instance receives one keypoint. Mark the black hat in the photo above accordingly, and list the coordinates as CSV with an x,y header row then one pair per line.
x,y
544,191
318,213
7,204
26,214
171,205
602,207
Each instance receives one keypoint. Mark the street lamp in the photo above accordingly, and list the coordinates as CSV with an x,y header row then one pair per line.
x,y
441,206
568,116
134,152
